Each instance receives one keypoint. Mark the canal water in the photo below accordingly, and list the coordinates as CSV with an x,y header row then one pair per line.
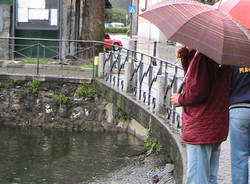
x,y
36,156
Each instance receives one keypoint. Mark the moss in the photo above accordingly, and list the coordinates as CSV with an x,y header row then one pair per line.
x,y
118,103
110,96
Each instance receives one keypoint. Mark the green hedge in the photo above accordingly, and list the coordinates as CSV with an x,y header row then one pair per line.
x,y
5,1
116,30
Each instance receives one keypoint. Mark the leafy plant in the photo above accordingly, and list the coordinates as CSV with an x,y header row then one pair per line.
x,y
33,87
123,116
86,90
128,32
151,143
12,83
61,98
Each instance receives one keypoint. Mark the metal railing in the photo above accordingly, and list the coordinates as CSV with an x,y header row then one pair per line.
x,y
39,56
151,80
139,73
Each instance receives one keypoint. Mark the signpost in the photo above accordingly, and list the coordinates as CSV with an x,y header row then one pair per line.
x,y
131,11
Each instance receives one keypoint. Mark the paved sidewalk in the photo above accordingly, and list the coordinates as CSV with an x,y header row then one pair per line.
x,y
225,164
167,52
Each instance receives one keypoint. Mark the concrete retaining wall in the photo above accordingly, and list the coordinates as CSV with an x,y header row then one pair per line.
x,y
161,129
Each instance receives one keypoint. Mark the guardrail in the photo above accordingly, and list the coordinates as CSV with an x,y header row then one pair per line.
x,y
150,79
38,56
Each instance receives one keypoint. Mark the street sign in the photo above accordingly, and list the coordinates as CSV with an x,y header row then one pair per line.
x,y
132,9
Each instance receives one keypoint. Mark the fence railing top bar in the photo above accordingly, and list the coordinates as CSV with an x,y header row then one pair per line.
x,y
154,58
53,40
90,42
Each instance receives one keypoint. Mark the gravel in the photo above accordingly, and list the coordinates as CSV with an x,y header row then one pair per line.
x,y
141,170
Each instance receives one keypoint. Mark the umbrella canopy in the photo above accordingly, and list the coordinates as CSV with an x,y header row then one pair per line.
x,y
238,9
204,28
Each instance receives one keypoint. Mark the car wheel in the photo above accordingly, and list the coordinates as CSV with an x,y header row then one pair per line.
x,y
116,46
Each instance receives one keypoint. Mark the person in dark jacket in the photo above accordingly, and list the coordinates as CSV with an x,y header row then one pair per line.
x,y
240,124
205,117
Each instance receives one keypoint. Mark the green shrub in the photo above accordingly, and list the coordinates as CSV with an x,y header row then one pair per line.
x,y
128,32
123,117
61,99
86,90
33,87
116,30
151,143
12,83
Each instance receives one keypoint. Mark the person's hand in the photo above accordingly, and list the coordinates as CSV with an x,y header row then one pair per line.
x,y
181,52
175,99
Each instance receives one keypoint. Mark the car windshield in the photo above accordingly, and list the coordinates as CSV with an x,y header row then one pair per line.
x,y
107,36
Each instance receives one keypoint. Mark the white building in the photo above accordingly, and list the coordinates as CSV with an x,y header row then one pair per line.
x,y
147,30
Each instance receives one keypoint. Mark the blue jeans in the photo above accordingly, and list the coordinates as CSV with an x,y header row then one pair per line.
x,y
203,163
240,142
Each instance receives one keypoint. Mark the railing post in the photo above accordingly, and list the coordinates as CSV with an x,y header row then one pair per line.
x,y
110,66
128,75
174,91
38,57
106,67
160,87
101,65
154,54
150,78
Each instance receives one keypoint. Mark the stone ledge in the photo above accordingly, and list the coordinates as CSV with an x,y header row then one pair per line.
x,y
160,128
46,78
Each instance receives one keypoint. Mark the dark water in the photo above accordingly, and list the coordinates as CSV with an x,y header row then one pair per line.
x,y
36,156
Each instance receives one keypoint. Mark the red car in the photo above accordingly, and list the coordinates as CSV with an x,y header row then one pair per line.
x,y
116,43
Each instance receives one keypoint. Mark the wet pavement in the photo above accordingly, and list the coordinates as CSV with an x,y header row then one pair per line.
x,y
165,51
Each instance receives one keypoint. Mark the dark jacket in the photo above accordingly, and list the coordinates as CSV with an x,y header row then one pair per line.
x,y
240,92
205,101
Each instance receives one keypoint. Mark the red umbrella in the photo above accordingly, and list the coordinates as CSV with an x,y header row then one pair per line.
x,y
204,28
238,9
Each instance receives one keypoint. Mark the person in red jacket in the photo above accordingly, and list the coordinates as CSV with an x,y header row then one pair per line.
x,y
205,117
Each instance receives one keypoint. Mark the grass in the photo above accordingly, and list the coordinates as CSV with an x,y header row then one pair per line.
x,y
87,66
29,61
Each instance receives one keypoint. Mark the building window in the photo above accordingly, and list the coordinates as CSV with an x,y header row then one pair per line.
x,y
37,14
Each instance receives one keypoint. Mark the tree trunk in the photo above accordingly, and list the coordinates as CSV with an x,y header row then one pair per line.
x,y
93,24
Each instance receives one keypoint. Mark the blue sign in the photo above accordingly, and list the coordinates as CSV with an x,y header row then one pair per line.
x,y
132,9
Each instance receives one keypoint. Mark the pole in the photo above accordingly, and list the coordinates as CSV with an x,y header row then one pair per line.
x,y
131,21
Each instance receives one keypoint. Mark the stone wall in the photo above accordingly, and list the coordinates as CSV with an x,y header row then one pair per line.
x,y
5,20
162,130
20,108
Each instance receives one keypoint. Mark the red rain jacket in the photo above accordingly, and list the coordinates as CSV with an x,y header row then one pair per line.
x,y
205,101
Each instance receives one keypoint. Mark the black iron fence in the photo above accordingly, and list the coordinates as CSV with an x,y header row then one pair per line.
x,y
151,80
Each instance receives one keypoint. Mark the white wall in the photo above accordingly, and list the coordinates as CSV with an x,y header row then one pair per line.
x,y
147,30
